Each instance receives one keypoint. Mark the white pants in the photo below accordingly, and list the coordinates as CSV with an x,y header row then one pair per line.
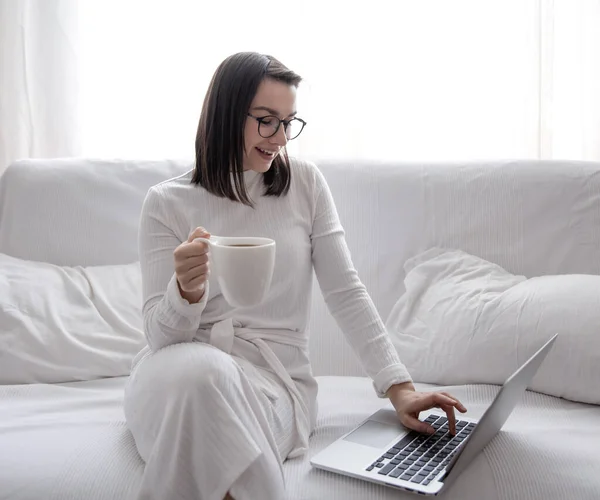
x,y
204,427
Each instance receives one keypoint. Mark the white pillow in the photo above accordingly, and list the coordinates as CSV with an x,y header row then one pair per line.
x,y
463,320
63,324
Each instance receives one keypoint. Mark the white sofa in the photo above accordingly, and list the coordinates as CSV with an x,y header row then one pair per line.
x,y
70,441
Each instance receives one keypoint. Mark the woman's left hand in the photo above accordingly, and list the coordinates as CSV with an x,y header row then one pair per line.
x,y
409,403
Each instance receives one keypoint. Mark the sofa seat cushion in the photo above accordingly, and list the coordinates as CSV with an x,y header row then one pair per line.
x,y
70,441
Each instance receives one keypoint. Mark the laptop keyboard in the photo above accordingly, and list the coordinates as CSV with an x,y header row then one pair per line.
x,y
418,457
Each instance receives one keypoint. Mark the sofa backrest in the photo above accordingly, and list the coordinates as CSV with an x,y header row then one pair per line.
x,y
75,211
531,217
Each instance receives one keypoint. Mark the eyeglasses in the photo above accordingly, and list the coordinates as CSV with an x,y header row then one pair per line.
x,y
269,125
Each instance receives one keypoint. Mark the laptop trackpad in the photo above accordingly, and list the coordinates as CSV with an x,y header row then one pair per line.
x,y
373,433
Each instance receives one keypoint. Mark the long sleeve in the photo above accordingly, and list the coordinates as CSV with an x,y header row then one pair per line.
x,y
168,317
347,298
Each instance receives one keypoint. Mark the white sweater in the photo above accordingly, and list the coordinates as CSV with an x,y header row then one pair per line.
x,y
305,225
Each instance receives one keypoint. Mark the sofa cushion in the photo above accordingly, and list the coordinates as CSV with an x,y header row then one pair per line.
x,y
61,324
465,320
71,441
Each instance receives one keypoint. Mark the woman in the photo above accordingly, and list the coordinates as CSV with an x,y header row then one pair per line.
x,y
222,396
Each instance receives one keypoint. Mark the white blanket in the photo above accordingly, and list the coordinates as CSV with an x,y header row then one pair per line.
x,y
70,442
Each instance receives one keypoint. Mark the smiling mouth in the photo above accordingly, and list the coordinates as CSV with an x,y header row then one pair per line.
x,y
264,152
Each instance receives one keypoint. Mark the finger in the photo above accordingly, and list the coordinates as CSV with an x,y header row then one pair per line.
x,y
195,284
428,401
432,400
199,232
193,272
437,398
183,265
189,250
459,406
199,281
451,418
414,423
196,247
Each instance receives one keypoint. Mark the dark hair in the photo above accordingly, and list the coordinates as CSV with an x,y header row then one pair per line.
x,y
220,136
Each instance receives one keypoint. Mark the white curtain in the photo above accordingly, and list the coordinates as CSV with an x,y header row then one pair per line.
x,y
396,79
570,96
39,100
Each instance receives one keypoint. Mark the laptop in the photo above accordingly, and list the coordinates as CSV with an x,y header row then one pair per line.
x,y
382,450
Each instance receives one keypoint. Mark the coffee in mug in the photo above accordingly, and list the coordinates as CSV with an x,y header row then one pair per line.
x,y
243,267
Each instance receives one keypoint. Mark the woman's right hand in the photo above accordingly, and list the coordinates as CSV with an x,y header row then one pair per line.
x,y
192,267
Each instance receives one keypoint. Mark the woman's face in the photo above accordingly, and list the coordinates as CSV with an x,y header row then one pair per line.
x,y
272,98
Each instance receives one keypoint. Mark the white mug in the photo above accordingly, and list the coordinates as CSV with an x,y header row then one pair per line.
x,y
243,267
